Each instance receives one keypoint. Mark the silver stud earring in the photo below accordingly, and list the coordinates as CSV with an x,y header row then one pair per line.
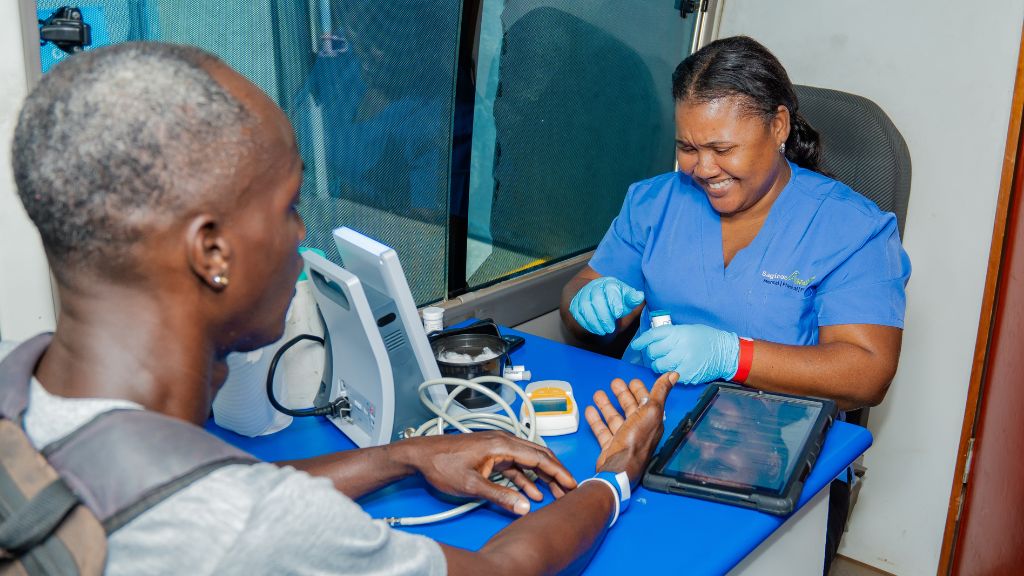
x,y
220,280
782,148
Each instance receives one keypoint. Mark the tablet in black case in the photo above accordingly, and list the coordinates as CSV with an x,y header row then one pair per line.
x,y
744,447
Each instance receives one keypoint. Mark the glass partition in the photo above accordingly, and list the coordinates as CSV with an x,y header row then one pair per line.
x,y
479,138
573,105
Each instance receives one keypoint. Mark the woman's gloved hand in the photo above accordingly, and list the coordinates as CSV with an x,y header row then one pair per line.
x,y
698,353
601,302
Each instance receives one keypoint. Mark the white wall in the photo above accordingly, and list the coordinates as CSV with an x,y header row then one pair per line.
x,y
944,72
26,302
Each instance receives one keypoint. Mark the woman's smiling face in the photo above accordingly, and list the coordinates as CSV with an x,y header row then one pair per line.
x,y
731,153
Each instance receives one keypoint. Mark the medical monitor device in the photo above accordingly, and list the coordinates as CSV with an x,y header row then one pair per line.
x,y
744,447
376,352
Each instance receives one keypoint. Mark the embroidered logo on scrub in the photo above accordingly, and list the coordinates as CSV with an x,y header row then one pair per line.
x,y
792,281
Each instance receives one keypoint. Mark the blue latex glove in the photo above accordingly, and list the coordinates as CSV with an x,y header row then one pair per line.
x,y
601,302
698,353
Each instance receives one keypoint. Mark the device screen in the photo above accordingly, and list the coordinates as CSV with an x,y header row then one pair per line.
x,y
745,440
541,405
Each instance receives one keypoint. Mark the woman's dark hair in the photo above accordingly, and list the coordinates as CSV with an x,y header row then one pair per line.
x,y
741,66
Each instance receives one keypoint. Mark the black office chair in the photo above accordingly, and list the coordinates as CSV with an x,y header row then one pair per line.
x,y
862,149
860,146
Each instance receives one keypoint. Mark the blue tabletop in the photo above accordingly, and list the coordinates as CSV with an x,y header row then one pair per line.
x,y
658,531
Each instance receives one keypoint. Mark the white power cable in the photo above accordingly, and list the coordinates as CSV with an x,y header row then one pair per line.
x,y
466,422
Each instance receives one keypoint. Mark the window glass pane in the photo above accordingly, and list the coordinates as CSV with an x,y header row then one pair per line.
x,y
573,104
369,87
375,117
539,125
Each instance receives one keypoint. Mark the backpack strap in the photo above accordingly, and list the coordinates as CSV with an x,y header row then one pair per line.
x,y
34,521
45,529
16,373
152,456
123,462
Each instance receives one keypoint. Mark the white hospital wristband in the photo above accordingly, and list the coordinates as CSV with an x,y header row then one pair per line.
x,y
619,484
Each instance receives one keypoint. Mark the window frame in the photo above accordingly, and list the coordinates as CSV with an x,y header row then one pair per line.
x,y
519,298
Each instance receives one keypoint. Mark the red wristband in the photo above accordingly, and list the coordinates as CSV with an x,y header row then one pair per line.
x,y
746,360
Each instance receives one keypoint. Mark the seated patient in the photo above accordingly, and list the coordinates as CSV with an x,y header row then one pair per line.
x,y
164,186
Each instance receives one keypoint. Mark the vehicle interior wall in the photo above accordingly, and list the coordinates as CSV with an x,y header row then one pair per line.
x,y
26,303
944,73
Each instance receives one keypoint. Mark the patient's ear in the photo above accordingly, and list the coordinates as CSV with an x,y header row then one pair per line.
x,y
209,252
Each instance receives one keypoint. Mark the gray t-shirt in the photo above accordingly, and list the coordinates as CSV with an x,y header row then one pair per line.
x,y
258,519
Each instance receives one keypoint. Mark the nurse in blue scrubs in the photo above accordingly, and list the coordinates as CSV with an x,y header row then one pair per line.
x,y
775,275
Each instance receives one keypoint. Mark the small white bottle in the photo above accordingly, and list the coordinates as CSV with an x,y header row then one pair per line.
x,y
433,319
661,318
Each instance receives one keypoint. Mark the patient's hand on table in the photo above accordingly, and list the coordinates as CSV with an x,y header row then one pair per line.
x,y
628,441
460,465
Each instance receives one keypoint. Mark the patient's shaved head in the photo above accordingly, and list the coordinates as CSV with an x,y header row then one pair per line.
x,y
116,141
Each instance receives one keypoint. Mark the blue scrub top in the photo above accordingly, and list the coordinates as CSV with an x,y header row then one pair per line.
x,y
825,255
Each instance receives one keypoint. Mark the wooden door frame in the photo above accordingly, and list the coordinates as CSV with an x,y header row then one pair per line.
x,y
1014,142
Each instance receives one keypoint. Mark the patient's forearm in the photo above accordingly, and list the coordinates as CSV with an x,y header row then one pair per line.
x,y
557,539
359,472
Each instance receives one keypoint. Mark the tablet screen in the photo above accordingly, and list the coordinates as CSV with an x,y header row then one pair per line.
x,y
745,440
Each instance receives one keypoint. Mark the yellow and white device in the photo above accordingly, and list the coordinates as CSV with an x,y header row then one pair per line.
x,y
554,406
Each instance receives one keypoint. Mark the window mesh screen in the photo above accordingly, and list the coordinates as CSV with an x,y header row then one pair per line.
x,y
582,109
534,134
374,118
369,87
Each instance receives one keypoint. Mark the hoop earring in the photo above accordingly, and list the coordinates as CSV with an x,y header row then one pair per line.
x,y
782,148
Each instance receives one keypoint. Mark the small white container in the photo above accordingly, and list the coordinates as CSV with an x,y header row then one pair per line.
x,y
517,373
661,318
433,319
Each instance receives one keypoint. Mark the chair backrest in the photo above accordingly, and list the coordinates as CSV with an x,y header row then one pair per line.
x,y
860,146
